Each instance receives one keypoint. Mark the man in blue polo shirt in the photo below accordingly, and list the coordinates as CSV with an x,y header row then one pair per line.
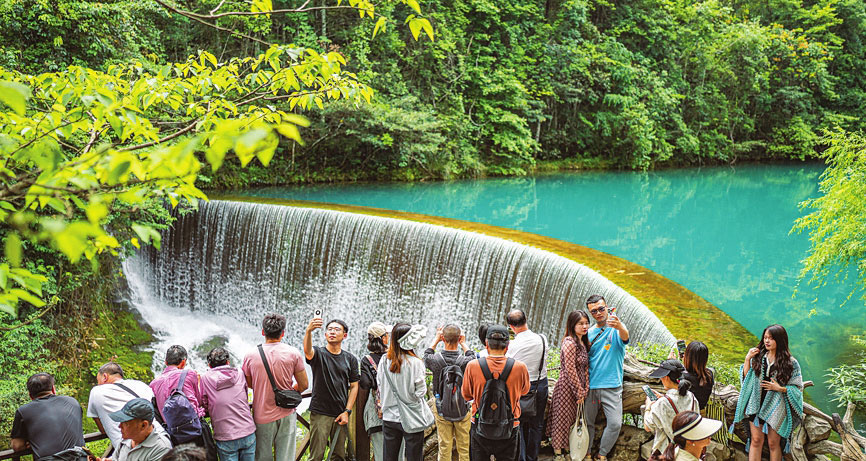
x,y
607,341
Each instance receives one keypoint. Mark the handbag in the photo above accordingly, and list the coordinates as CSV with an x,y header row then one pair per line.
x,y
528,406
414,416
283,398
578,437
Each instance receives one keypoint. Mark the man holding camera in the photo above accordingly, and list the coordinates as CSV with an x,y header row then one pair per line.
x,y
607,340
275,426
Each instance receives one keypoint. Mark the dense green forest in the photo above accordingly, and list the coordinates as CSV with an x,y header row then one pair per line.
x,y
509,86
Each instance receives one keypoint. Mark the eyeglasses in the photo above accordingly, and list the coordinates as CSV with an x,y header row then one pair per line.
x,y
337,329
597,310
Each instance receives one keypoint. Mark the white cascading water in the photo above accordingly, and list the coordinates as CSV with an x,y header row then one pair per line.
x,y
222,268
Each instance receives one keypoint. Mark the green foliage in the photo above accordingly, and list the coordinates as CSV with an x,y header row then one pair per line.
x,y
726,373
837,218
846,381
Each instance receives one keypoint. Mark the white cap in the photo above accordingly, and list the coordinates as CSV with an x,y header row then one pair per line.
x,y
699,429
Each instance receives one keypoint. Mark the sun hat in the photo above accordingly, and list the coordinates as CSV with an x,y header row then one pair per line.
x,y
699,429
134,409
378,329
670,366
413,338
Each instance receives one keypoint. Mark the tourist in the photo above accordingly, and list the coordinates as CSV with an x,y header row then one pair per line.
x,y
692,434
275,426
142,441
695,360
165,384
185,452
491,435
456,421
224,393
771,395
335,387
378,336
110,394
531,349
607,340
402,385
659,413
49,423
573,383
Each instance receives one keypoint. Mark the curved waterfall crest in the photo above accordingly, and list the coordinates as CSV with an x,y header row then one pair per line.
x,y
224,266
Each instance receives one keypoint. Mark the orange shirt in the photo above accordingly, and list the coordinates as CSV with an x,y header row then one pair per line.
x,y
517,383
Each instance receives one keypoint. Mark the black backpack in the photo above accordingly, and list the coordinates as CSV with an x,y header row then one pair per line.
x,y
451,405
494,419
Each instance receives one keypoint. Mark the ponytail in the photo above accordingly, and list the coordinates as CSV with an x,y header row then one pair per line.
x,y
683,386
670,453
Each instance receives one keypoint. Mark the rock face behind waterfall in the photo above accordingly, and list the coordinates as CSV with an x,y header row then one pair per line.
x,y
233,262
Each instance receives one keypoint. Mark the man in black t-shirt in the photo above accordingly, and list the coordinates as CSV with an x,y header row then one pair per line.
x,y
335,386
50,423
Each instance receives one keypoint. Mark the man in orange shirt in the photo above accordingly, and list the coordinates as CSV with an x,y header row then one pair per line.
x,y
495,404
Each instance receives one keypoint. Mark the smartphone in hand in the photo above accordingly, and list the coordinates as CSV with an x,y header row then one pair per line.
x,y
649,393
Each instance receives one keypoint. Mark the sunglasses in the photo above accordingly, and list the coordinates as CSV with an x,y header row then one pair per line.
x,y
597,310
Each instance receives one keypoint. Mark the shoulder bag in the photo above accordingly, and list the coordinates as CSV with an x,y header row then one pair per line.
x,y
528,401
578,438
283,398
414,416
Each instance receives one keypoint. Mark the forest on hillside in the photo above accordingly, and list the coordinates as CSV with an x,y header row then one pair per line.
x,y
507,86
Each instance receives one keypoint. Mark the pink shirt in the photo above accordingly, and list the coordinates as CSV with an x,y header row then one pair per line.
x,y
164,385
284,361
224,391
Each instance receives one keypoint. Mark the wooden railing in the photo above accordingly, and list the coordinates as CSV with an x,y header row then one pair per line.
x,y
17,455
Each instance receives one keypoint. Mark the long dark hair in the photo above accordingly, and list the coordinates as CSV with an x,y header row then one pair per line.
x,y
695,361
570,322
680,420
395,352
784,363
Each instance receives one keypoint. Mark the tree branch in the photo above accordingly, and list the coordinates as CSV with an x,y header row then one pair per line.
x,y
198,18
32,319
176,134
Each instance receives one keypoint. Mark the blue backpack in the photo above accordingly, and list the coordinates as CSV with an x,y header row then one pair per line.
x,y
181,419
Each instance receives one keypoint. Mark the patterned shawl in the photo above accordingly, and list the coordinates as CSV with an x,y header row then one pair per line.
x,y
782,411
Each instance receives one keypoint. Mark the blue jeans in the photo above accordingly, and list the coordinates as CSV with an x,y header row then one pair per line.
x,y
242,449
532,429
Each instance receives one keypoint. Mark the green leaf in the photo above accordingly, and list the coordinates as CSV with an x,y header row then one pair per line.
x,y
414,5
14,95
380,24
415,27
428,28
21,294
290,131
13,249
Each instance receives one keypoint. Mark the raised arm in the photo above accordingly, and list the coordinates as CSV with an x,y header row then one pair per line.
x,y
309,352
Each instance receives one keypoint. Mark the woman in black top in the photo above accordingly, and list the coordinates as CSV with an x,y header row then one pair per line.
x,y
701,377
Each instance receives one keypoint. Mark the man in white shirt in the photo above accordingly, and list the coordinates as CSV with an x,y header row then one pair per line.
x,y
111,393
531,349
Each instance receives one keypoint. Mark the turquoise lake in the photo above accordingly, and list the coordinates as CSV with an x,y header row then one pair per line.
x,y
721,232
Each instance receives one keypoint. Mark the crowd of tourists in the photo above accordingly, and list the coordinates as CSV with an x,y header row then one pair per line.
x,y
490,403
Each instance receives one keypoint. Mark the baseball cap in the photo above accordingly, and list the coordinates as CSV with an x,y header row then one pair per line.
x,y
134,409
667,367
497,332
378,329
699,429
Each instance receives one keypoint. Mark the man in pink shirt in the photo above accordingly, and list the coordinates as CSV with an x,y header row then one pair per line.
x,y
164,385
224,390
275,426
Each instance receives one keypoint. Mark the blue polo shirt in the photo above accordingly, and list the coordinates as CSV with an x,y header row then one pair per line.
x,y
606,356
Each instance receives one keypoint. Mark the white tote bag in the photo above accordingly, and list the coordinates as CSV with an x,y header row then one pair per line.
x,y
415,416
578,437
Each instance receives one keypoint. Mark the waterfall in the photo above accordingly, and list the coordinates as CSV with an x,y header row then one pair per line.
x,y
223,267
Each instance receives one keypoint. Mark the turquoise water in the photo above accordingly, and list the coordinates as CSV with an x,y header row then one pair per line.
x,y
720,232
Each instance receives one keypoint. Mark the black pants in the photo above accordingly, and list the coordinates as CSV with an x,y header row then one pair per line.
x,y
532,428
394,437
480,449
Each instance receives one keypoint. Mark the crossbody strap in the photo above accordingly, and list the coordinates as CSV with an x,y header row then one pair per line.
x,y
181,381
127,389
543,351
268,369
393,387
596,338
676,410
